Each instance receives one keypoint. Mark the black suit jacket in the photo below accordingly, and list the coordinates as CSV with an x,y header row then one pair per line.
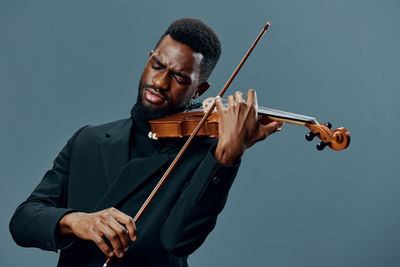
x,y
93,172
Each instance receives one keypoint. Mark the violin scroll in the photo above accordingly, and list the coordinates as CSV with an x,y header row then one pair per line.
x,y
338,139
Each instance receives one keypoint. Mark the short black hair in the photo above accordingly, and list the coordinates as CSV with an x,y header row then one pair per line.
x,y
200,38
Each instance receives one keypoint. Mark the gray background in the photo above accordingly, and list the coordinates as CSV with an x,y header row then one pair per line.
x,y
64,64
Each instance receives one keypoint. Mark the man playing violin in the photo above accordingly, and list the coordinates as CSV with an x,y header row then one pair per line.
x,y
84,205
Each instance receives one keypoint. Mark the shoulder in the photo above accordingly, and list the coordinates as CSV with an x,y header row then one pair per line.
x,y
97,133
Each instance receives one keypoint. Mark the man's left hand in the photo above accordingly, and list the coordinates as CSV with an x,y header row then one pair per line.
x,y
239,127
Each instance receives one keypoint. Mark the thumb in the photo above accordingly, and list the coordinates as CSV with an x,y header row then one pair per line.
x,y
272,127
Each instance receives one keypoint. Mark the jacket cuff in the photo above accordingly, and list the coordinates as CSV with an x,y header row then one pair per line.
x,y
64,241
53,240
221,176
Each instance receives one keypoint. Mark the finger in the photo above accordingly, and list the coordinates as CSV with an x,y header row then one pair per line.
x,y
127,221
114,239
111,218
101,244
121,231
218,103
230,101
130,228
132,231
239,97
252,98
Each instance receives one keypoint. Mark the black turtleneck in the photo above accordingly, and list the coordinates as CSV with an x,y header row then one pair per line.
x,y
140,145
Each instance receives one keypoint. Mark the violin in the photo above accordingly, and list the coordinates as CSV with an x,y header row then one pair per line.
x,y
183,124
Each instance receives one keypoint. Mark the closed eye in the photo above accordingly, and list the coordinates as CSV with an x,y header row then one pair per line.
x,y
180,79
156,64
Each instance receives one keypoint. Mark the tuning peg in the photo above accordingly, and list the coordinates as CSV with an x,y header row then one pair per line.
x,y
310,136
322,145
328,124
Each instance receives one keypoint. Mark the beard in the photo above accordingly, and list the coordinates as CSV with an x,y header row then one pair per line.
x,y
142,113
151,113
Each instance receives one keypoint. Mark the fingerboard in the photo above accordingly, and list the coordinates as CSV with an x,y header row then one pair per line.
x,y
286,115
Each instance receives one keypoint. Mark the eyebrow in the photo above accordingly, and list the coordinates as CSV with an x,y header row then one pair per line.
x,y
174,72
158,61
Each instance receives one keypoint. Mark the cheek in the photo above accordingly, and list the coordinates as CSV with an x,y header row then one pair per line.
x,y
146,75
181,95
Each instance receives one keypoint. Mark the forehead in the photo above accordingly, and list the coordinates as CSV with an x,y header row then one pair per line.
x,y
178,56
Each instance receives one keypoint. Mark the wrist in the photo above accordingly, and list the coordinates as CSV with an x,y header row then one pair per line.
x,y
225,156
65,224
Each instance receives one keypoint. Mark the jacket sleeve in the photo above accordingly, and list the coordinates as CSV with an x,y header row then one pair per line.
x,y
194,215
35,221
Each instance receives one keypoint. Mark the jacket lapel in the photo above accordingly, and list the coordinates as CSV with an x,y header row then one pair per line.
x,y
124,176
131,177
115,149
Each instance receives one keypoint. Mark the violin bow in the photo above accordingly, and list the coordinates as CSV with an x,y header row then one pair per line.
x,y
191,137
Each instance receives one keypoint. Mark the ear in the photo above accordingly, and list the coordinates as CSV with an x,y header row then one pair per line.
x,y
201,89
151,53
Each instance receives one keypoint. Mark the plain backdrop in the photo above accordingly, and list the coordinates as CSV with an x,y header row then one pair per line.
x,y
64,64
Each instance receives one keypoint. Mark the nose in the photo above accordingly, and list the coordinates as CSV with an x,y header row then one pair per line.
x,y
161,80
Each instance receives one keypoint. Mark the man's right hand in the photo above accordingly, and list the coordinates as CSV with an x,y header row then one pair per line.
x,y
110,223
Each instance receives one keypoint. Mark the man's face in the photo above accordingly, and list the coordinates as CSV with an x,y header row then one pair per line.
x,y
170,78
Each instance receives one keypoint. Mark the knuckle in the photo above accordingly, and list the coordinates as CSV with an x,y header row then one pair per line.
x,y
106,249
113,235
121,231
126,219
97,222
97,239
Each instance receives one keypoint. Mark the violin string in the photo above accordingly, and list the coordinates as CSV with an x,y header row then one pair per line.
x,y
286,115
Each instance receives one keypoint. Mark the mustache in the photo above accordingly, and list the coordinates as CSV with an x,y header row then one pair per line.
x,y
158,90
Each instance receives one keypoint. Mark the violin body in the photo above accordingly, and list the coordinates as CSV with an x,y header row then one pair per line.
x,y
183,124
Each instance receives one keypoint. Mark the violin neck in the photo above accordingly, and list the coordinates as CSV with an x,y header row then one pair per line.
x,y
278,115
